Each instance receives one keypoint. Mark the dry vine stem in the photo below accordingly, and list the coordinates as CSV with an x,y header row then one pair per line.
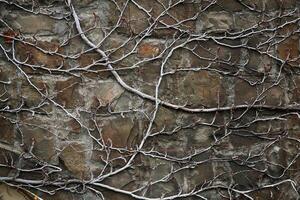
x,y
160,99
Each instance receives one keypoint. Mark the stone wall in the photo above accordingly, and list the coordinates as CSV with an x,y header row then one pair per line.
x,y
150,99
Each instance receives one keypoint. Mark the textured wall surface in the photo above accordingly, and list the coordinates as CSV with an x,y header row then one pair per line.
x,y
149,99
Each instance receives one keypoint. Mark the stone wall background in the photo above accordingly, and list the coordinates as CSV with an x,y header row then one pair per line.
x,y
148,99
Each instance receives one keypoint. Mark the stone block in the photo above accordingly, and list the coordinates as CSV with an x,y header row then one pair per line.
x,y
9,89
289,50
245,178
269,5
261,63
39,132
32,95
175,144
196,89
265,93
275,96
200,174
215,22
294,92
94,71
82,3
136,20
11,193
7,130
165,119
244,93
118,132
148,50
68,94
75,158
208,54
228,5
293,125
245,21
99,94
36,24
38,58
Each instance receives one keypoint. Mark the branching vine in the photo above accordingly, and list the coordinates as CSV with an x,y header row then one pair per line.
x,y
162,99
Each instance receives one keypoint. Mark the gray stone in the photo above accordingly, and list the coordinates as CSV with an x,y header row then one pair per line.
x,y
215,21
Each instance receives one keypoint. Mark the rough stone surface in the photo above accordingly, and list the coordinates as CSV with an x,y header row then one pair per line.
x,y
289,50
181,99
36,57
7,130
40,136
68,94
74,158
117,132
10,193
215,21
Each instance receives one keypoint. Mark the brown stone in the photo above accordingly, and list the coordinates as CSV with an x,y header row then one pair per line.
x,y
275,96
75,127
179,13
148,73
194,89
165,119
288,30
227,5
244,93
244,142
75,159
283,191
270,5
207,51
148,50
38,131
279,4
88,59
266,93
295,91
279,158
107,92
245,177
289,50
200,174
6,72
118,132
135,20
123,103
177,146
67,93
202,88
31,95
293,126
261,63
7,130
36,57
10,92
273,128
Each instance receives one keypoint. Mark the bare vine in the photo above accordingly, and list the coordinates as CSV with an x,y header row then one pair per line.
x,y
212,110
